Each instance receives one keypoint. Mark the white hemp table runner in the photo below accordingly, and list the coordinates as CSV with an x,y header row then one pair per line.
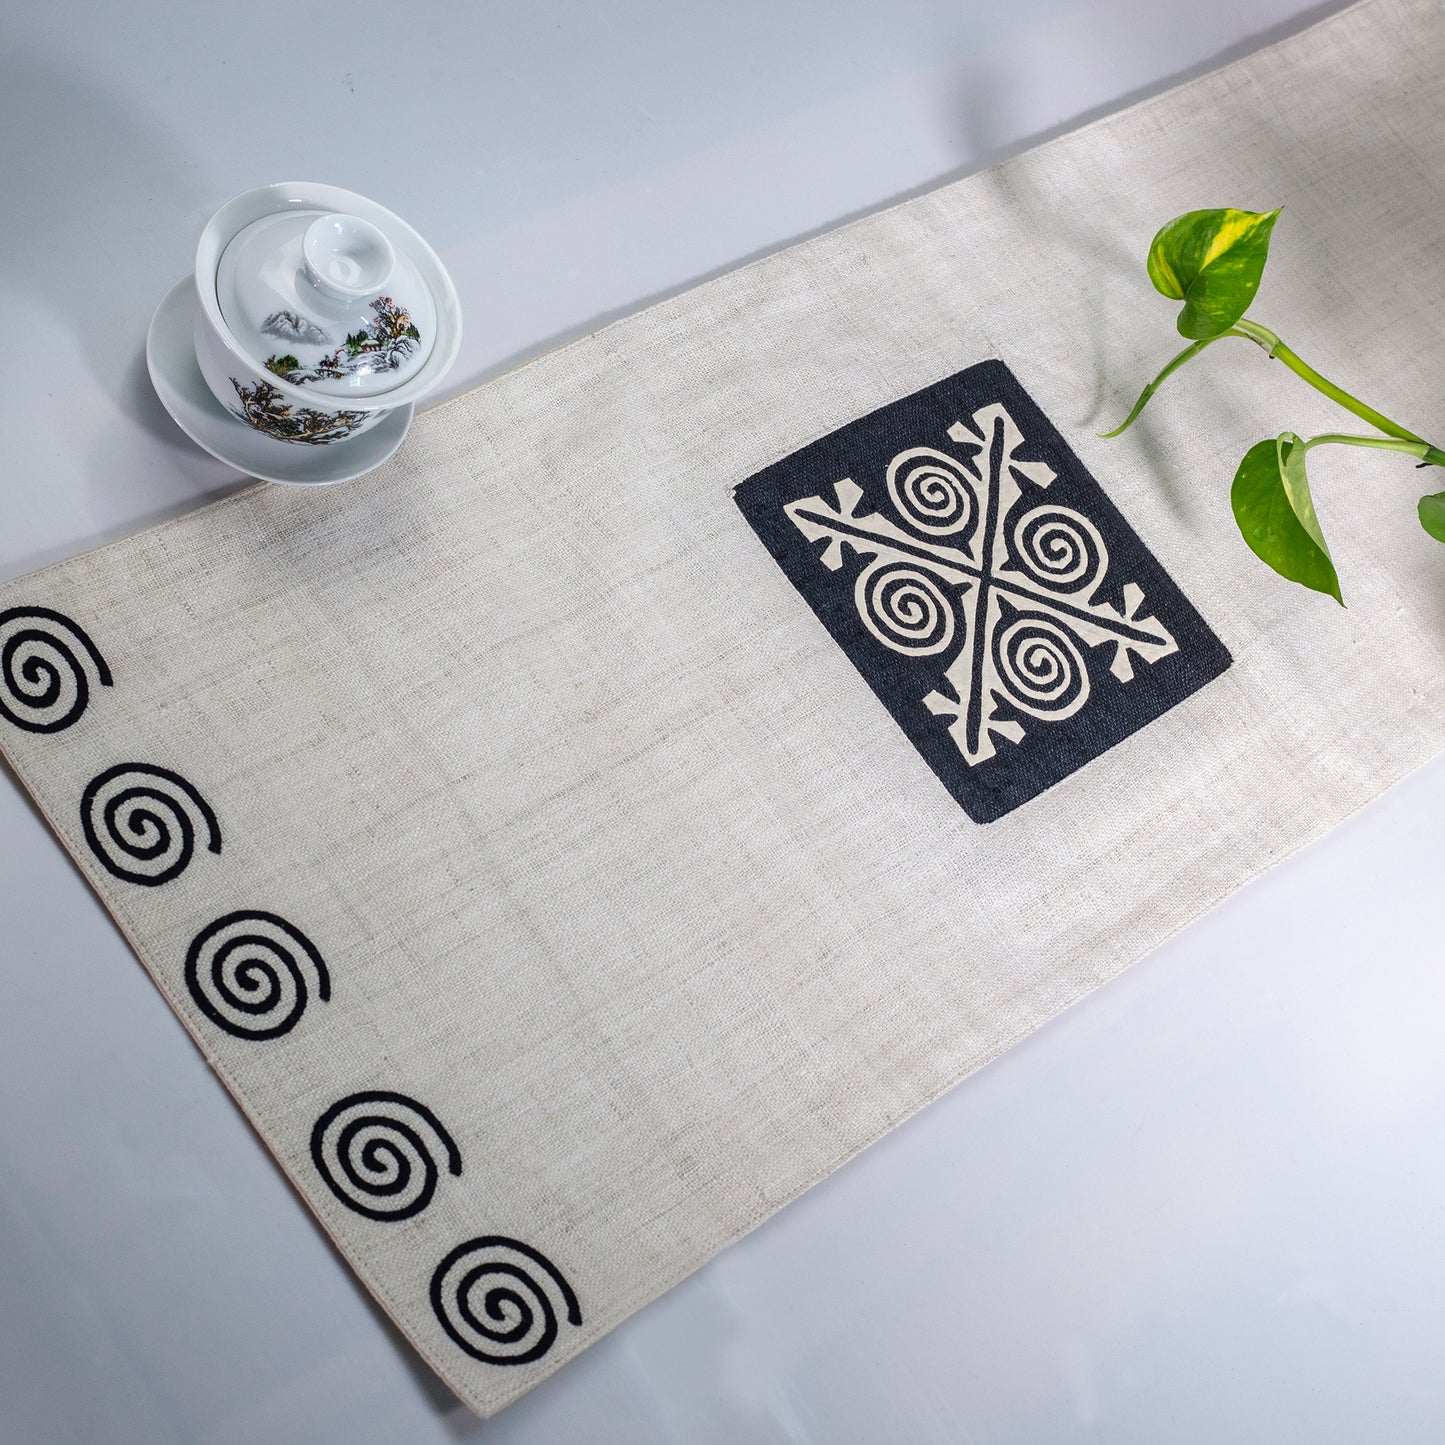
x,y
701,747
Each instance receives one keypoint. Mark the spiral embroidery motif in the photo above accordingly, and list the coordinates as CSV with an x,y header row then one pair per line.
x,y
252,973
142,822
378,1153
935,492
500,1300
48,665
976,563
1060,549
904,607
1043,669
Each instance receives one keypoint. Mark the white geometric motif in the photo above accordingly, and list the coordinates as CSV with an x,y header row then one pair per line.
x,y
1008,597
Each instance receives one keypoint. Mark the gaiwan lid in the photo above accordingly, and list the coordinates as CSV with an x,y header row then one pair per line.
x,y
327,301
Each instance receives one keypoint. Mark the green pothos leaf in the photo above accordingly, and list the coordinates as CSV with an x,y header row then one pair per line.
x,y
1432,514
1276,514
1212,262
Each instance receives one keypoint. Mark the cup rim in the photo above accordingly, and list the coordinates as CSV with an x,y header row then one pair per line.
x,y
240,211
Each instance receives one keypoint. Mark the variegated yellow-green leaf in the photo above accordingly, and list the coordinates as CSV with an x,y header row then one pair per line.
x,y
1212,262
1276,514
1432,515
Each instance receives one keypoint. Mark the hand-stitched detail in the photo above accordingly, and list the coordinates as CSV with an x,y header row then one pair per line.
x,y
251,973
378,1153
977,576
500,1300
48,665
141,822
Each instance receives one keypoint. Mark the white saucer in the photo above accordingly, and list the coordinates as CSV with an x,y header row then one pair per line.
x,y
171,359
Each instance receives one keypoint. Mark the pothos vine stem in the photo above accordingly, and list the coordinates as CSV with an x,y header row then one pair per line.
x,y
1276,348
1423,450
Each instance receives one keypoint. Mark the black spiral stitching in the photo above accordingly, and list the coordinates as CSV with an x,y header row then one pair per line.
x,y
241,969
138,822
35,683
517,1322
392,1172
521,1315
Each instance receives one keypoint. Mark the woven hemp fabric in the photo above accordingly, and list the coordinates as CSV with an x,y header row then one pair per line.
x,y
539,837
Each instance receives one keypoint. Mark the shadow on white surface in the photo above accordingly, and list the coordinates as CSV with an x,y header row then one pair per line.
x,y
969,127
99,201
100,212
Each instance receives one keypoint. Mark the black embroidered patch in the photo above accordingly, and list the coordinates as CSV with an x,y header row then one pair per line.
x,y
499,1300
141,822
378,1153
251,973
47,663
995,600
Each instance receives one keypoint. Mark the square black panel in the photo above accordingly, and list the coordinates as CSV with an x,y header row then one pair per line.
x,y
977,576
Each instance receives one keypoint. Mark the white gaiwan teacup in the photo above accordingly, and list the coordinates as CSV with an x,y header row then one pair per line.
x,y
319,312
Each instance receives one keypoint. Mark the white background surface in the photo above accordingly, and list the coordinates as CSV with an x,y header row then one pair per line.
x,y
1208,1204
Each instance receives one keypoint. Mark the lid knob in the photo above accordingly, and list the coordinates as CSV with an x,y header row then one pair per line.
x,y
346,257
